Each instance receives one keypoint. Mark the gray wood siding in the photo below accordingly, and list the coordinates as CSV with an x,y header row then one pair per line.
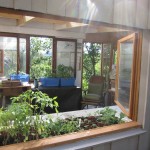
x,y
134,13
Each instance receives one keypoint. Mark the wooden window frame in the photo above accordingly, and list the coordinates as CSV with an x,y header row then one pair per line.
x,y
54,49
135,75
1,61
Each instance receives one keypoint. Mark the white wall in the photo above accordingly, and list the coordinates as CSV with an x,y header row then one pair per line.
x,y
134,13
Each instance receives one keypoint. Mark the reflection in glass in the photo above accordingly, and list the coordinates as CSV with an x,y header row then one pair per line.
x,y
9,46
125,66
65,53
22,54
40,57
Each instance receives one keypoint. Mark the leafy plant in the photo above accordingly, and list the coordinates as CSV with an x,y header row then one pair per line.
x,y
64,71
41,57
17,123
35,99
108,116
21,121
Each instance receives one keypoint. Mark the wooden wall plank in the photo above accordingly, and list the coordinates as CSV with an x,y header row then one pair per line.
x,y
142,14
22,4
72,8
102,147
98,10
7,3
56,7
124,12
149,16
39,6
128,143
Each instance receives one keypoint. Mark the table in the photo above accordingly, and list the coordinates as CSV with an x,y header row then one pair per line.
x,y
68,98
12,91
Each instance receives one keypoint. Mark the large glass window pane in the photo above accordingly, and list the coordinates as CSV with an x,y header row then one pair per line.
x,y
22,54
9,47
40,57
66,53
125,66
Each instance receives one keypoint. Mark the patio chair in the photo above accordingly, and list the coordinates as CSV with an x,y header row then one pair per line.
x,y
94,94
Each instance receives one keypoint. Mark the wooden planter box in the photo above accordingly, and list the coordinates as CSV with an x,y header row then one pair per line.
x,y
71,137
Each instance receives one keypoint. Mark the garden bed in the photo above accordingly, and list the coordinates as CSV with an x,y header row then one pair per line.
x,y
24,125
73,126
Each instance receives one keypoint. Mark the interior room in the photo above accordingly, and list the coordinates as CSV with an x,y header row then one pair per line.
x,y
79,60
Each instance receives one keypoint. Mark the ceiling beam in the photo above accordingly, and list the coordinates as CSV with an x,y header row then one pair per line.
x,y
108,29
49,21
11,16
23,20
69,25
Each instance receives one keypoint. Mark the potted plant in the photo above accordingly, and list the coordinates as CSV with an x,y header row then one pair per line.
x,y
66,75
44,75
49,80
22,76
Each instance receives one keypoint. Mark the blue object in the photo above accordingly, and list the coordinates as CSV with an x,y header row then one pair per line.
x,y
21,77
49,82
67,81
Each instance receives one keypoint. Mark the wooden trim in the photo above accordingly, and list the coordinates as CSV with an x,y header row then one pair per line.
x,y
129,114
135,76
75,59
111,57
18,54
28,55
102,60
2,62
54,54
137,73
72,137
122,108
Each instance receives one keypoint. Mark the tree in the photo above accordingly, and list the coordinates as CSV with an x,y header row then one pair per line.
x,y
41,57
91,61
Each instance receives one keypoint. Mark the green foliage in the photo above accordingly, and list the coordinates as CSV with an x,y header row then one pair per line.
x,y
41,57
18,123
64,71
91,62
108,116
17,120
37,97
64,126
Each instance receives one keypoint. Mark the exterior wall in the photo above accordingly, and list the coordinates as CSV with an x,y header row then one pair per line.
x,y
132,13
144,94
125,12
104,142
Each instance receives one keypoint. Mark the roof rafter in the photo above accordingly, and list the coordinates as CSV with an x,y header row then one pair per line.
x,y
70,25
23,20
